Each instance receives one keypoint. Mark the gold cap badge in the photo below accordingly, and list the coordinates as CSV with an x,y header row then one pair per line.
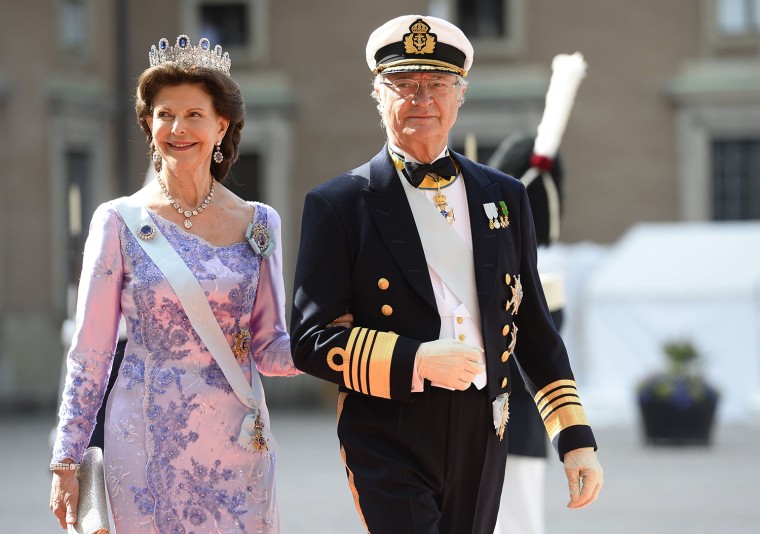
x,y
419,41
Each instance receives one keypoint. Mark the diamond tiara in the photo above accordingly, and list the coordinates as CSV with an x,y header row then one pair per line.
x,y
186,55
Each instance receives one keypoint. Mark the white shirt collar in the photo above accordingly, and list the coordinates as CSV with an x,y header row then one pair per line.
x,y
407,157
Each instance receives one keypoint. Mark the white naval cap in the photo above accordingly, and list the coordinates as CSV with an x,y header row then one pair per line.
x,y
413,43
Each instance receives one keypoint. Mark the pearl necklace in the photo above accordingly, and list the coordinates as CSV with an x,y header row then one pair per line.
x,y
183,211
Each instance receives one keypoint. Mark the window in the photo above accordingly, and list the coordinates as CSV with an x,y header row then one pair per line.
x,y
736,179
73,24
78,169
225,24
494,26
738,17
246,177
239,26
483,18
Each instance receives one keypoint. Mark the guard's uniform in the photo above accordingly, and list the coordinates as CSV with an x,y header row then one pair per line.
x,y
425,462
526,433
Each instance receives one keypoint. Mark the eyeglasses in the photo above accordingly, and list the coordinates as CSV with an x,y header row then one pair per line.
x,y
407,87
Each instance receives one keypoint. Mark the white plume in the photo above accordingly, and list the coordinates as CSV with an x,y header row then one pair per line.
x,y
567,73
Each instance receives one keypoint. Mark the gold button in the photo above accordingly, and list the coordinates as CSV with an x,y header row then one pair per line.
x,y
505,356
505,330
504,382
461,337
460,320
387,310
508,279
383,284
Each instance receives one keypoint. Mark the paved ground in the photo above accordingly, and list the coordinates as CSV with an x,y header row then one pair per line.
x,y
658,490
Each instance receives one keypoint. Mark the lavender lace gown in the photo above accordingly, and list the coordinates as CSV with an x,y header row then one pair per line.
x,y
172,460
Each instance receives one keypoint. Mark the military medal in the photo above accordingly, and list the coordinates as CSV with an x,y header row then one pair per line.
x,y
504,417
513,341
492,214
440,202
501,414
505,214
517,295
430,180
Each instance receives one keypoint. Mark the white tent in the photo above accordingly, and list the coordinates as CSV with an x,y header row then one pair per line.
x,y
662,282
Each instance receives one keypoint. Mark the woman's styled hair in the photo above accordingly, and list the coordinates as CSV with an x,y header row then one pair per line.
x,y
225,95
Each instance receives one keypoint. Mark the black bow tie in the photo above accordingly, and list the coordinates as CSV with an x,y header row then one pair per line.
x,y
416,172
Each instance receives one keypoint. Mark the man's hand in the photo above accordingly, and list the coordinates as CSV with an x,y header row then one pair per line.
x,y
449,363
585,476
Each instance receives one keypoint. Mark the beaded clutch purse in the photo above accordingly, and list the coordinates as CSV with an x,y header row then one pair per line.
x,y
92,514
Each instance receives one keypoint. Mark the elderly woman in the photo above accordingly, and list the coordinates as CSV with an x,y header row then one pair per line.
x,y
185,449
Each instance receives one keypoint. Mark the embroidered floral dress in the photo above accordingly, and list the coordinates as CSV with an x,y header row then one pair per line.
x,y
172,460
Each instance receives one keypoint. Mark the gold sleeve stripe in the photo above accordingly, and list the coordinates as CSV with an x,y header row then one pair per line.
x,y
556,397
356,362
560,406
564,416
352,339
540,398
380,365
366,361
364,365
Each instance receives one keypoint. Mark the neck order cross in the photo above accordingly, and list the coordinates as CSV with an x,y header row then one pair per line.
x,y
187,213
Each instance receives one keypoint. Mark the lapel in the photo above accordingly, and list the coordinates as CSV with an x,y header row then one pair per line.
x,y
390,211
485,242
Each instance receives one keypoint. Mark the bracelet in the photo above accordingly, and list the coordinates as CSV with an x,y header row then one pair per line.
x,y
62,466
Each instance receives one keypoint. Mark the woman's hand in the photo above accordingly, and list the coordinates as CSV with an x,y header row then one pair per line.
x,y
64,497
346,321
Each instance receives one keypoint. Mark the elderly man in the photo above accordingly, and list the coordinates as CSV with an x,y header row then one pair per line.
x,y
435,257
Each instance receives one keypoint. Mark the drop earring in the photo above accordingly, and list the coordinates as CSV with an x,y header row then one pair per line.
x,y
156,156
218,156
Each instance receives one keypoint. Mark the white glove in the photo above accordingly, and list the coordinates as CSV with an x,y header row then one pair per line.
x,y
449,363
582,467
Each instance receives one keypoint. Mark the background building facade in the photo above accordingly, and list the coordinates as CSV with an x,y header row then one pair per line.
x,y
666,125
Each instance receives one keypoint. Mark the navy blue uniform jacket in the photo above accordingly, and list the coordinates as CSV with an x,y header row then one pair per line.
x,y
360,252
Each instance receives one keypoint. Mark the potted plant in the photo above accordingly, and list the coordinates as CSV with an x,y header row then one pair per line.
x,y
678,406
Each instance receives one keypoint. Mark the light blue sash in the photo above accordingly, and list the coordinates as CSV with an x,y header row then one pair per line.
x,y
445,251
198,311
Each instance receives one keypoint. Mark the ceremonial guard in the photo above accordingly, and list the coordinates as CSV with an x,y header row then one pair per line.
x,y
534,159
435,257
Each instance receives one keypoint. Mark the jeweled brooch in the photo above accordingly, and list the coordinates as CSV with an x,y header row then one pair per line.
x,y
261,242
146,231
260,442
242,345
